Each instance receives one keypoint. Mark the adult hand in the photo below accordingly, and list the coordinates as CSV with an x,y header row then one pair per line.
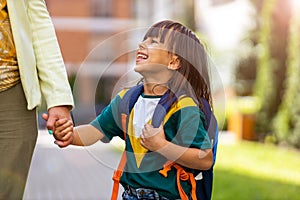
x,y
54,114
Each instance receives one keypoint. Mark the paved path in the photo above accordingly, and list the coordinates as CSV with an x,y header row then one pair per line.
x,y
76,173
71,173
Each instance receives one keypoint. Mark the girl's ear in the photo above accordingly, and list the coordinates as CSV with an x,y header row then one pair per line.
x,y
174,63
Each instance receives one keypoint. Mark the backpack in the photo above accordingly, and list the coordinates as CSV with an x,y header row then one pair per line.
x,y
204,179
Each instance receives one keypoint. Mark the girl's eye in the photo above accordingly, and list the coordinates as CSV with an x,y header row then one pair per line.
x,y
154,41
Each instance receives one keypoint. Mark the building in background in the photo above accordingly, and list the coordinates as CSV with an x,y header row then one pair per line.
x,y
81,25
98,39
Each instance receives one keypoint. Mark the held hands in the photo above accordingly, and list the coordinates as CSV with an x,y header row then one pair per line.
x,y
57,117
63,132
152,138
54,114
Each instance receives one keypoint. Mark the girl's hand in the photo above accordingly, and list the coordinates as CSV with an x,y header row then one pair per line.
x,y
152,138
63,132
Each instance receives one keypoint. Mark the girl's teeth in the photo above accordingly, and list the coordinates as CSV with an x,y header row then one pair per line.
x,y
142,56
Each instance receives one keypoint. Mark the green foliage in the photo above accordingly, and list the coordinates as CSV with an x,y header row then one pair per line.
x,y
263,87
272,65
244,105
287,121
278,71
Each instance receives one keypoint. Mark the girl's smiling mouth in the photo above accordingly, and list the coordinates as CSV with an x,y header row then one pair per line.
x,y
140,57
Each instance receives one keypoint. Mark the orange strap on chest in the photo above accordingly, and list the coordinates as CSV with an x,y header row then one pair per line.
x,y
180,175
118,173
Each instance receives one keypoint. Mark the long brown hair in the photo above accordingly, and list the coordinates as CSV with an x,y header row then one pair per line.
x,y
192,77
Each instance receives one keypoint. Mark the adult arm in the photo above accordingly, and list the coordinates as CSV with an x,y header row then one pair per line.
x,y
50,66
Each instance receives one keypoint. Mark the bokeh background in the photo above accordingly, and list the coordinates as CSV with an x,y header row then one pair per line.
x,y
254,48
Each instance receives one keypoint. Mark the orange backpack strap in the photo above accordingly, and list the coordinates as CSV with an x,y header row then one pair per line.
x,y
180,175
118,173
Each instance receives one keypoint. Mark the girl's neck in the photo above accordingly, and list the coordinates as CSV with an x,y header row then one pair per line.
x,y
154,89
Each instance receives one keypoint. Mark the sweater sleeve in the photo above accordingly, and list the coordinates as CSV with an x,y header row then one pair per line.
x,y
50,65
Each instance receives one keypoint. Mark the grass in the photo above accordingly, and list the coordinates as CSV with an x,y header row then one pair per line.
x,y
255,171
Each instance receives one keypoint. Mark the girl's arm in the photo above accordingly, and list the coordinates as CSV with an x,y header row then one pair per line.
x,y
154,140
86,135
83,135
193,158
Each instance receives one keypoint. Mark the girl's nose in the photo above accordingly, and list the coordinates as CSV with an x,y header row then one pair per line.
x,y
142,45
145,43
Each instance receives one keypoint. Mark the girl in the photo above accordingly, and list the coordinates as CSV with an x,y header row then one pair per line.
x,y
172,62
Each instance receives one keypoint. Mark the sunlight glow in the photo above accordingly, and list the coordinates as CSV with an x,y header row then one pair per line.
x,y
226,24
296,3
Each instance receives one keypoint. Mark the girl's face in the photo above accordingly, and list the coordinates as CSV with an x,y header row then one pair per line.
x,y
152,58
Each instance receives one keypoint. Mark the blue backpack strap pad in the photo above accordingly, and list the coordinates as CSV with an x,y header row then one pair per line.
x,y
162,109
204,186
129,99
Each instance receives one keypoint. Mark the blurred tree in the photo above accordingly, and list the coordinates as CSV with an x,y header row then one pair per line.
x,y
219,2
263,71
245,71
274,18
287,121
189,16
245,74
186,14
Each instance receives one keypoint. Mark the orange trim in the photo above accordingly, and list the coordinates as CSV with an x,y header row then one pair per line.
x,y
123,121
118,173
180,175
117,176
